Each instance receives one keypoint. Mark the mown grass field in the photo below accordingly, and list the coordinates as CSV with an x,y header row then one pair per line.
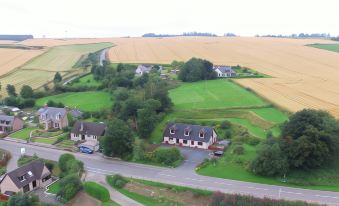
x,y
41,69
85,101
213,94
22,134
329,47
87,80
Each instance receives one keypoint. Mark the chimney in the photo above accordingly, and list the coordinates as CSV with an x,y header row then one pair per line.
x,y
81,126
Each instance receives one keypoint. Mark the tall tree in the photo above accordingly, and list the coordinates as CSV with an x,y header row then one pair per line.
x,y
118,140
57,77
197,69
26,92
11,90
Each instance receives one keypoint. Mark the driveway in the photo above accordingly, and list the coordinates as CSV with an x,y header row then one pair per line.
x,y
46,198
192,157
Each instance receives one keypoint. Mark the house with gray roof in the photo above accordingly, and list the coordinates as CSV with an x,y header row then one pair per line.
x,y
10,124
143,69
25,178
188,135
53,117
224,71
89,133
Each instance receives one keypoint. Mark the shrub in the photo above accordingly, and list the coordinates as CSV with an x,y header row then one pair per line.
x,y
253,141
228,134
97,191
49,166
239,150
117,181
70,185
167,156
225,124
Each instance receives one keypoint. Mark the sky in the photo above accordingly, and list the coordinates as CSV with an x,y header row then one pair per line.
x,y
116,18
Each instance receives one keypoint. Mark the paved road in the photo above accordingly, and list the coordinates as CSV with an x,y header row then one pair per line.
x,y
179,176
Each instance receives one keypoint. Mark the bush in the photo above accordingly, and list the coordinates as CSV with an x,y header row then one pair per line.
x,y
167,156
253,141
117,181
239,150
97,191
225,124
49,166
70,185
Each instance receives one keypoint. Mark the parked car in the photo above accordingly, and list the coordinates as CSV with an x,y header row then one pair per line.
x,y
218,153
86,150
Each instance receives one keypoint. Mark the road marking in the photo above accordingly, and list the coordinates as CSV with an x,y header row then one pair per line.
x,y
222,183
187,178
295,193
327,196
257,188
166,175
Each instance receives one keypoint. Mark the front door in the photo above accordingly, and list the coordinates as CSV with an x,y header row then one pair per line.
x,y
34,184
83,137
26,188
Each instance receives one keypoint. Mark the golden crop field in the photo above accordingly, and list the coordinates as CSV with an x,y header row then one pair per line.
x,y
302,76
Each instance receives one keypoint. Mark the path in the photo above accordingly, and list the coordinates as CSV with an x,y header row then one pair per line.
x,y
179,176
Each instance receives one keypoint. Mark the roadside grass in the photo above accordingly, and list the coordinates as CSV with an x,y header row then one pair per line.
x,y
329,47
46,140
89,101
87,80
22,134
54,188
65,144
213,94
110,203
140,198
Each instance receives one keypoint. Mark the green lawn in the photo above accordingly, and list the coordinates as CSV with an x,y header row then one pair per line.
x,y
22,134
87,80
90,101
271,114
46,140
140,198
65,144
213,94
329,47
110,203
54,188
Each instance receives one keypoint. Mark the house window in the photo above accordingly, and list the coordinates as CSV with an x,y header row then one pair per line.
x,y
94,137
56,125
201,135
177,141
170,138
187,133
172,131
46,178
22,178
200,143
185,141
192,142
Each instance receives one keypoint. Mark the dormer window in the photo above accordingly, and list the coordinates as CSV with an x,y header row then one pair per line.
x,y
187,131
201,134
172,131
22,178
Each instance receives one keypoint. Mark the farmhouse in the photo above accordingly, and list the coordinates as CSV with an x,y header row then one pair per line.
x,y
26,178
52,117
224,71
190,135
89,132
143,68
10,124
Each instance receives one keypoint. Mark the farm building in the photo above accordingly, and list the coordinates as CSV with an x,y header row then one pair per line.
x,y
26,178
53,117
89,132
189,135
10,124
224,71
143,69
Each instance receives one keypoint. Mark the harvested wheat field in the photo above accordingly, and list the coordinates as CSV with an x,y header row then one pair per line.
x,y
303,77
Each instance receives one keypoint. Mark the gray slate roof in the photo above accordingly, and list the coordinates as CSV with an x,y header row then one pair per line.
x,y
145,67
76,113
52,112
89,128
6,120
224,69
194,132
36,168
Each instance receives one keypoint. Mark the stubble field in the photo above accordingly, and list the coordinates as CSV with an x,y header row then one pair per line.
x,y
303,77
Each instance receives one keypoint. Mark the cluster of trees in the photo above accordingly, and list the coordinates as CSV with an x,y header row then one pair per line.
x,y
71,170
183,34
335,38
26,97
197,69
309,140
24,199
301,35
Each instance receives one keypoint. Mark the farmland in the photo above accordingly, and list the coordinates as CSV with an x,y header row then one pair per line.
x,y
41,69
85,101
329,47
288,61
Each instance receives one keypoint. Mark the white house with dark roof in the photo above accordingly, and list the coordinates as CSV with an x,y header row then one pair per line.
x,y
53,117
224,71
143,69
89,132
25,178
189,135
